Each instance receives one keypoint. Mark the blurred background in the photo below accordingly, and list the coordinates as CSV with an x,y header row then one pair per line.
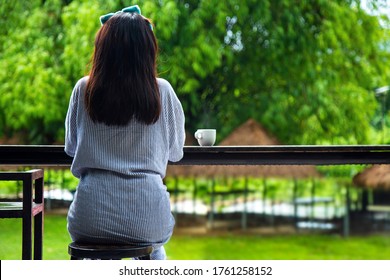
x,y
262,72
311,72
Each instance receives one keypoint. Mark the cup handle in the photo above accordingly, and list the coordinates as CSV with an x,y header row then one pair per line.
x,y
198,135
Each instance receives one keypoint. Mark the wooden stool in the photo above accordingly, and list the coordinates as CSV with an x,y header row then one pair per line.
x,y
29,209
79,251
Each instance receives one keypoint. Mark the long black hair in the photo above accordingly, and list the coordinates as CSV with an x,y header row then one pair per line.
x,y
122,82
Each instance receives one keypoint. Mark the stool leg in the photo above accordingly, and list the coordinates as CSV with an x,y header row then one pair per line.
x,y
27,220
38,232
38,220
27,238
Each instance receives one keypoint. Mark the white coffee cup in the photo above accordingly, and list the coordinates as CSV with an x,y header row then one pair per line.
x,y
206,137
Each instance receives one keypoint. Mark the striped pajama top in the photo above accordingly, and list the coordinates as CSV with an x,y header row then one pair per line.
x,y
121,197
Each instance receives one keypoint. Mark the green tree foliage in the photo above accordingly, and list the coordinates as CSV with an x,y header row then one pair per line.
x,y
31,84
305,69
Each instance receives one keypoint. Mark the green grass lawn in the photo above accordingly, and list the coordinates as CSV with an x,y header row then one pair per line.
x,y
227,247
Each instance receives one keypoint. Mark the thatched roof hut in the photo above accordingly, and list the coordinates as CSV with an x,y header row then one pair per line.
x,y
374,177
15,140
248,134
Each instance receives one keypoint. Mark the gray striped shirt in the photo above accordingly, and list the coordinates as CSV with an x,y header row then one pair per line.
x,y
121,196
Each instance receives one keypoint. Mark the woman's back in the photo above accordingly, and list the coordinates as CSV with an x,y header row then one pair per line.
x,y
134,148
122,127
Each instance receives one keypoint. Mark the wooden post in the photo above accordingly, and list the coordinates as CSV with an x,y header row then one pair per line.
x,y
244,219
211,214
295,205
175,194
346,222
264,193
312,198
194,194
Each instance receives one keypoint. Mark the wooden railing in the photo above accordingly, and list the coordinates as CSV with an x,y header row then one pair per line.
x,y
46,155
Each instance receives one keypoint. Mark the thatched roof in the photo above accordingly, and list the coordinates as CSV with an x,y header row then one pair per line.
x,y
15,140
248,134
375,177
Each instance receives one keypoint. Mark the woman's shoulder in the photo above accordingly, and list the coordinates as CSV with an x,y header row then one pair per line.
x,y
82,82
80,86
164,85
78,89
